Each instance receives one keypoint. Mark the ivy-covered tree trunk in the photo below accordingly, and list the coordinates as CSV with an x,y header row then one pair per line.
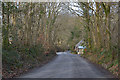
x,y
6,27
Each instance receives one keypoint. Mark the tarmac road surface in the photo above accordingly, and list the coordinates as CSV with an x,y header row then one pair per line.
x,y
67,65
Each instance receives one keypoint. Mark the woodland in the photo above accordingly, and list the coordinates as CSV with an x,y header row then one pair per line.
x,y
32,33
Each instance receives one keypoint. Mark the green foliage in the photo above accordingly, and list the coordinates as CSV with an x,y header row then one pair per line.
x,y
36,51
102,52
15,57
75,33
73,52
10,58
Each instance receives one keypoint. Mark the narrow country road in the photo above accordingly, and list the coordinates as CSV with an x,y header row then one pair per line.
x,y
67,65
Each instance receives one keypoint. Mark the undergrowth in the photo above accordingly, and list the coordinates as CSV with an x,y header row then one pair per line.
x,y
104,58
18,60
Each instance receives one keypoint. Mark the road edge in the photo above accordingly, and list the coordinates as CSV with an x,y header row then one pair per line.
x,y
100,67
